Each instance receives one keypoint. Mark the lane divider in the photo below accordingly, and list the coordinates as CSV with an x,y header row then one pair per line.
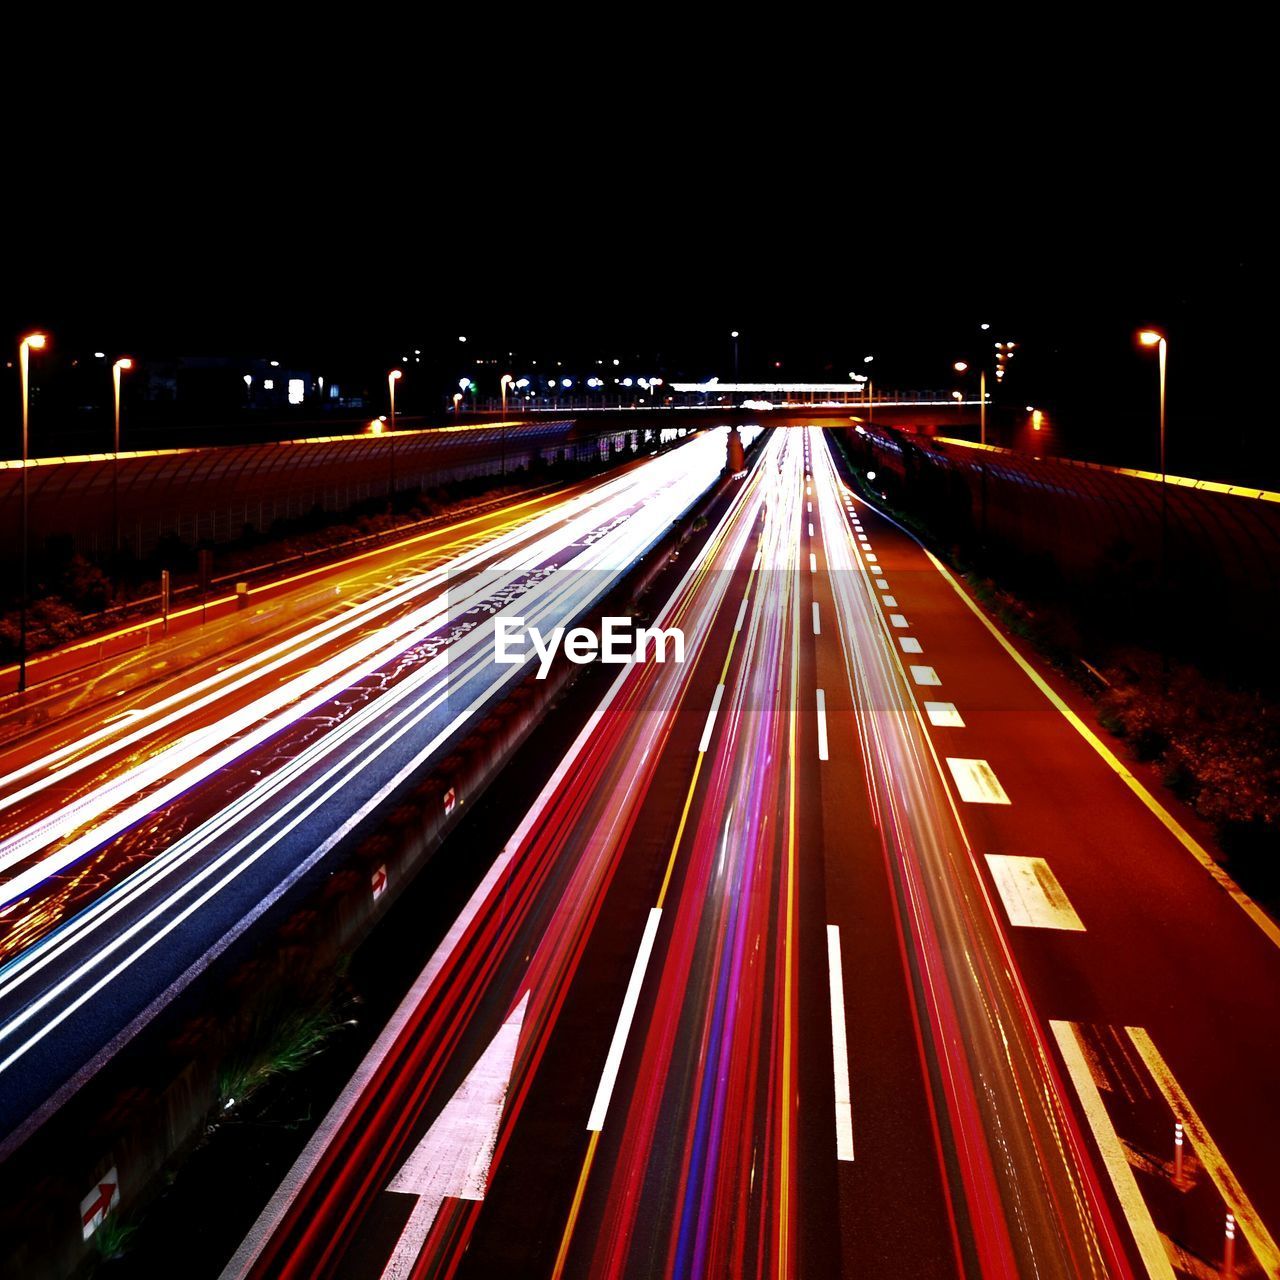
x,y
839,1048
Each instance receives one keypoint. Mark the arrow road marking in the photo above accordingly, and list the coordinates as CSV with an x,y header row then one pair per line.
x,y
452,1160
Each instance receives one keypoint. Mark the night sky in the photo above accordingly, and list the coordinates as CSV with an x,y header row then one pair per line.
x,y
820,227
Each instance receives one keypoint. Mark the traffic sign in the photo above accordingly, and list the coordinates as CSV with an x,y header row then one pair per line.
x,y
99,1202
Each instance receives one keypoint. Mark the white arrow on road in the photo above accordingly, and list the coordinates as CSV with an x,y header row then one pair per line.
x,y
452,1160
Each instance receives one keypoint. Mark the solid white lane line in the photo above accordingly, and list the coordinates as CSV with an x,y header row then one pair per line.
x,y
925,675
742,613
976,781
910,644
711,719
839,1048
889,602
944,714
1114,1158
1211,1159
822,725
813,563
817,626
609,1076
898,620
1031,894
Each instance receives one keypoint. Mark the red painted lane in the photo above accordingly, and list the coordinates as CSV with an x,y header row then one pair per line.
x,y
1164,947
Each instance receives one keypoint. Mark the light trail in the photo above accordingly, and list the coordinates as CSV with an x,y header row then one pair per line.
x,y
435,689
1020,1173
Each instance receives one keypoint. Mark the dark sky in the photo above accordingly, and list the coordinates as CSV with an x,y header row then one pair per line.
x,y
557,217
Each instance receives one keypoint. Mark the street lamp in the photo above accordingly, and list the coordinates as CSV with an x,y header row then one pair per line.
x,y
1153,338
33,342
505,382
116,370
962,366
392,378
734,336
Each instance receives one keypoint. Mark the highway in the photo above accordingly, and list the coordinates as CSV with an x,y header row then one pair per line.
x,y
138,840
736,997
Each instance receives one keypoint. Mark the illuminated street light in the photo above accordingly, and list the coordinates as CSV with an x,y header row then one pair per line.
x,y
734,336
392,378
960,366
1153,338
503,384
32,342
116,370
457,401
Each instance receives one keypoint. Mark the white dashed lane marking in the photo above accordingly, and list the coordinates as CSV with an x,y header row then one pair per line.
x,y
1031,894
976,781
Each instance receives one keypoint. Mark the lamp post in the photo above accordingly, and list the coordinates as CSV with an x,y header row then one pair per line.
x,y
961,366
734,336
503,385
116,370
457,402
1152,338
392,378
33,342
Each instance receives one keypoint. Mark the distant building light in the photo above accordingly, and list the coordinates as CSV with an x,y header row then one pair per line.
x,y
275,364
297,391
268,384
462,337
99,355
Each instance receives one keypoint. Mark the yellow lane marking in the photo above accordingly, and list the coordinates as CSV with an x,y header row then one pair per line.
x,y
1114,1159
1229,1188
576,1207
1175,828
784,1205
